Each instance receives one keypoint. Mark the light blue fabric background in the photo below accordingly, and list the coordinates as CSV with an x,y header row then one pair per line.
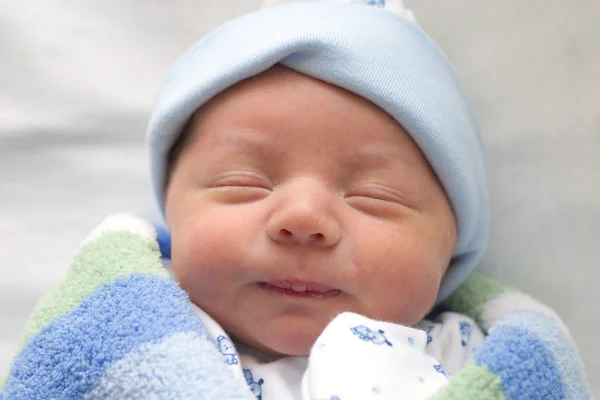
x,y
76,86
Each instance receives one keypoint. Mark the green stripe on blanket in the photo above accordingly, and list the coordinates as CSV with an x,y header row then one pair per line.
x,y
473,382
114,255
474,293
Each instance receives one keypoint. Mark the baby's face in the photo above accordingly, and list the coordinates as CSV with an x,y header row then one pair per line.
x,y
294,201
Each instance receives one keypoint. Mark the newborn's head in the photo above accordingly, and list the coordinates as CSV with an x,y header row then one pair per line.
x,y
291,200
312,159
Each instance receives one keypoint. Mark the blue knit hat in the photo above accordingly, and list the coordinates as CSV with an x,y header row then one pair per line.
x,y
376,52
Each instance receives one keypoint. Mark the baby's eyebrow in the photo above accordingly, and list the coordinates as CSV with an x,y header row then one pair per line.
x,y
247,143
380,157
365,156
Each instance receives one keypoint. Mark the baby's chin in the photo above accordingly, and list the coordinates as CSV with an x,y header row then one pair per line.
x,y
289,335
280,340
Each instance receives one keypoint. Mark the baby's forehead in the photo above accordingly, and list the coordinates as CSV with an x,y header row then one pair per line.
x,y
284,111
281,99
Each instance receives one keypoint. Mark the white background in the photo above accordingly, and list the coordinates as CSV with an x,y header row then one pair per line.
x,y
76,85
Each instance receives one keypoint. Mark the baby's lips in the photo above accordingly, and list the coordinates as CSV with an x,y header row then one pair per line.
x,y
300,288
299,285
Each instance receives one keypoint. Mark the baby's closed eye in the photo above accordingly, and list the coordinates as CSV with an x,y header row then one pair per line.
x,y
241,178
240,186
380,199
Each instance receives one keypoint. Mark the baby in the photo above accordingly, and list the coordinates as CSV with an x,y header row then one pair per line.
x,y
322,180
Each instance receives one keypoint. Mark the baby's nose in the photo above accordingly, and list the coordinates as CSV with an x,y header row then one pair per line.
x,y
311,233
301,235
304,221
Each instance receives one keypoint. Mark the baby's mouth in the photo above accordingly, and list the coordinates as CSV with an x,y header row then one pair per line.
x,y
297,288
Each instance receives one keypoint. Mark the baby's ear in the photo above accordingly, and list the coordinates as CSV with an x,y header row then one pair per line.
x,y
163,237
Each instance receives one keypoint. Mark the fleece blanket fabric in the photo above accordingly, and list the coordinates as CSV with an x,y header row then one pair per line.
x,y
119,327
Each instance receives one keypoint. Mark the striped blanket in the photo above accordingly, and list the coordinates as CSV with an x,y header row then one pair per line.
x,y
118,327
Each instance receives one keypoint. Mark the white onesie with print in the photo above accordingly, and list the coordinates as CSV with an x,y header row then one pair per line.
x,y
357,358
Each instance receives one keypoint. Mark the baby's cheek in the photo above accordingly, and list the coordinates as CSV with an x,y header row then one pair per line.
x,y
405,297
403,287
196,265
202,283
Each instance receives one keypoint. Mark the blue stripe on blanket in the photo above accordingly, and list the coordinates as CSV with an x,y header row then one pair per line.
x,y
182,366
562,348
109,323
523,350
524,364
